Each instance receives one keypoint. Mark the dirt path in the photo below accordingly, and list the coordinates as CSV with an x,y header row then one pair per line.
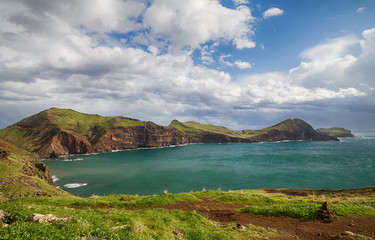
x,y
288,228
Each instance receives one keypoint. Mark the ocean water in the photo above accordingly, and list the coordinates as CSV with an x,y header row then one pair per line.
x,y
349,163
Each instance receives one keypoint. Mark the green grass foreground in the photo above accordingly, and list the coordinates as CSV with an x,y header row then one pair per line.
x,y
142,219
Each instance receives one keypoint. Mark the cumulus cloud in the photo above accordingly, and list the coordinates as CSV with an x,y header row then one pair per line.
x,y
272,12
195,22
239,2
242,65
72,61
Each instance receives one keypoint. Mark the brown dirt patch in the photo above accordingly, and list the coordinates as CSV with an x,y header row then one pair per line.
x,y
307,192
288,228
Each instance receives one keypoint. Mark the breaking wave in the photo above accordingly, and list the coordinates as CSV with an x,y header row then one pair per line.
x,y
75,185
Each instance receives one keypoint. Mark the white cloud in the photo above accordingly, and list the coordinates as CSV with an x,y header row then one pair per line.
x,y
272,12
239,2
70,61
360,10
242,65
223,61
195,22
242,43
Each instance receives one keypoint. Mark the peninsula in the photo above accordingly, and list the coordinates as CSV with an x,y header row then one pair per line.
x,y
56,132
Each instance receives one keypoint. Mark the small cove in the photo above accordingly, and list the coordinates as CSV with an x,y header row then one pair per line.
x,y
349,163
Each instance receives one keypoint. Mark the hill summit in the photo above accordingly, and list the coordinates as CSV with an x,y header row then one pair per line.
x,y
55,132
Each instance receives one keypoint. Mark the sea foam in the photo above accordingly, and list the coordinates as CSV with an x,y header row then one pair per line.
x,y
54,178
72,159
75,185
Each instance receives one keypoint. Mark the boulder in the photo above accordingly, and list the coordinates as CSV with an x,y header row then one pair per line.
x,y
49,218
5,218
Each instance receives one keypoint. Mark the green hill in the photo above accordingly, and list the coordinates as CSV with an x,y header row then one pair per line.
x,y
290,129
336,132
55,132
23,174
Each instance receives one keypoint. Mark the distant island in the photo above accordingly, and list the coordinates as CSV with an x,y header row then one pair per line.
x,y
56,132
338,132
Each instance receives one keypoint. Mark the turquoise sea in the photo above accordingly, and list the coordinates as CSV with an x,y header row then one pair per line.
x,y
349,163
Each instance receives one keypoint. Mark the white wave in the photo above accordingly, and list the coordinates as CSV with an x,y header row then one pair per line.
x,y
75,185
54,178
72,159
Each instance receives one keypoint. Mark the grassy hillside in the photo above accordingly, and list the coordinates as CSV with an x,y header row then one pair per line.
x,y
35,132
56,132
72,121
19,175
176,216
336,132
192,128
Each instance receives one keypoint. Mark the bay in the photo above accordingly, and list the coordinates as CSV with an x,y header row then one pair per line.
x,y
347,164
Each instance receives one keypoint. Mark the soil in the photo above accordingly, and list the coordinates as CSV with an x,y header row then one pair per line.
x,y
354,227
362,227
306,192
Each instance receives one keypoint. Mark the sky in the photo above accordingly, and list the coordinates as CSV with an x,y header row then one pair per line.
x,y
243,64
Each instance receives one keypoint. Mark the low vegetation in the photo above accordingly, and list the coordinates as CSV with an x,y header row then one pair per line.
x,y
145,217
19,175
336,132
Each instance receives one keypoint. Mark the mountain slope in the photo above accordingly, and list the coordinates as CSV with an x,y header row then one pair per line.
x,y
55,132
23,174
290,129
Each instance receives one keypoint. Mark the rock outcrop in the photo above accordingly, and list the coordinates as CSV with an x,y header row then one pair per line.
x,y
56,132
49,218
5,219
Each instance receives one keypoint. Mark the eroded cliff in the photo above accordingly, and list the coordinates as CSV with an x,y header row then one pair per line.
x,y
56,132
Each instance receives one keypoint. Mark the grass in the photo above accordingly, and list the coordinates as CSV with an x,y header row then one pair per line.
x,y
35,132
194,128
157,223
18,137
20,177
280,205
72,121
138,224
335,131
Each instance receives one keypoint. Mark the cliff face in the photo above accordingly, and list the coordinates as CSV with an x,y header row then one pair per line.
x,y
149,135
57,132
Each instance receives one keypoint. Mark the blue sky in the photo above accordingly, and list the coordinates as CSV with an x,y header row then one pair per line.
x,y
303,24
236,63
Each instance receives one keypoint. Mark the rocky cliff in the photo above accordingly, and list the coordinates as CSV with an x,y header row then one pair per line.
x,y
55,132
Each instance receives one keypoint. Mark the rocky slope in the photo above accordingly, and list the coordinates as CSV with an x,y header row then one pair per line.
x,y
23,174
55,132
